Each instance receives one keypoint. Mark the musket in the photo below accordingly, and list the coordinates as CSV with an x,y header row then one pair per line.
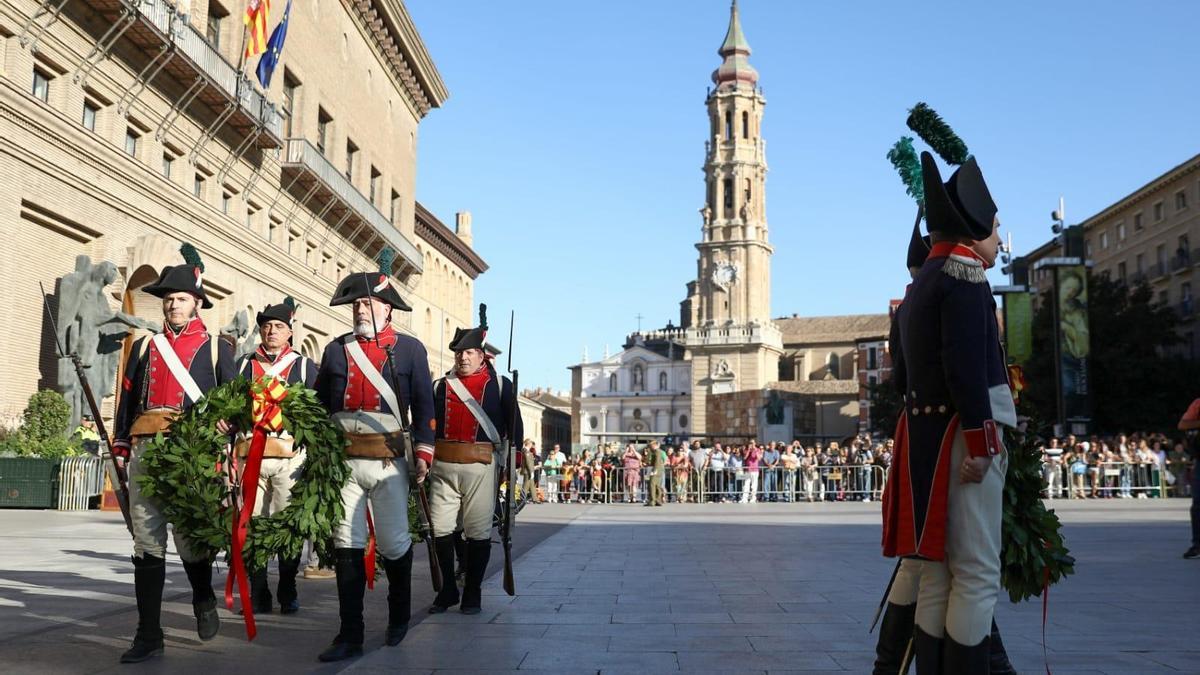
x,y
435,570
510,586
119,477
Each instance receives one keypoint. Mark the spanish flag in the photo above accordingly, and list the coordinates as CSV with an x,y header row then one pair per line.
x,y
257,14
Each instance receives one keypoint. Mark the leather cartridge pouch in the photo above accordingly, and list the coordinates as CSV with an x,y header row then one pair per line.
x,y
371,435
152,422
458,452
276,447
376,446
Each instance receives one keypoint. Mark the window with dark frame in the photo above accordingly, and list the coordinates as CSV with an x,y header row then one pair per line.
x,y
89,115
323,120
198,186
394,208
375,178
131,142
168,161
41,84
1158,211
1181,202
351,153
290,85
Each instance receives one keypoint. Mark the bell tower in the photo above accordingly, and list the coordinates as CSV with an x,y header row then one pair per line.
x,y
733,271
730,338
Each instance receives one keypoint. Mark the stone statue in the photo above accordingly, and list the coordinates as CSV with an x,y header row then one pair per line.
x,y
774,408
89,328
722,369
706,214
239,334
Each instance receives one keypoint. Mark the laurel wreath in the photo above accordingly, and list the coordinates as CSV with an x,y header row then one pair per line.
x,y
185,473
1033,555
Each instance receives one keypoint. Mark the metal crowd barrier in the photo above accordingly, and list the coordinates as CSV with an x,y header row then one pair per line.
x,y
80,479
1107,479
850,482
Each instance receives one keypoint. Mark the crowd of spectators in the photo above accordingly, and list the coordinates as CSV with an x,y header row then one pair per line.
x,y
1120,467
750,472
1131,466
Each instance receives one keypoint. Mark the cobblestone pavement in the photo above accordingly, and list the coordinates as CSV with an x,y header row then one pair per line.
x,y
623,588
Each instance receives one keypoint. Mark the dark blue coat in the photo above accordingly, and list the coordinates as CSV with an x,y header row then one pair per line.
x,y
498,405
408,375
303,370
949,359
133,397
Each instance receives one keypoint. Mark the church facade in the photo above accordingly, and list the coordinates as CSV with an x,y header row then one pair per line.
x,y
712,376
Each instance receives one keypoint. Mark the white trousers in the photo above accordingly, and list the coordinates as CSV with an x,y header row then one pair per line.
x,y
276,477
149,522
462,494
907,583
383,483
957,596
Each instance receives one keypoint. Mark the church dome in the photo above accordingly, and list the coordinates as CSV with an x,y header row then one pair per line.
x,y
736,53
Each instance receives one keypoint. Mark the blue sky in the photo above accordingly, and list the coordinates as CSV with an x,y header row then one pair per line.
x,y
574,133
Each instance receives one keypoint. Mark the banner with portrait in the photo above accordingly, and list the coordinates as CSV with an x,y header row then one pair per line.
x,y
1073,344
1018,326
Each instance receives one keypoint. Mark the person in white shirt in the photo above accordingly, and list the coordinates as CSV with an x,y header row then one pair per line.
x,y
1052,469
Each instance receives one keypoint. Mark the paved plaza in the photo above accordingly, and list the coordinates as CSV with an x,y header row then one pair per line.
x,y
609,589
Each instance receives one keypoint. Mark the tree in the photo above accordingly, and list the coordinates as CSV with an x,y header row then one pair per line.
x,y
886,405
1138,380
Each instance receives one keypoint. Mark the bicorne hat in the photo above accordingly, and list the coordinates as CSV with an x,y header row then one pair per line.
x,y
284,311
471,338
185,278
960,207
376,285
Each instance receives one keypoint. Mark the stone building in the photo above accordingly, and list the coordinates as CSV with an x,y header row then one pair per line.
x,y
546,417
123,133
1151,236
714,375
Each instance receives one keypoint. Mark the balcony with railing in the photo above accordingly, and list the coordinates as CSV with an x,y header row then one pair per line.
x,y
1181,261
309,173
184,54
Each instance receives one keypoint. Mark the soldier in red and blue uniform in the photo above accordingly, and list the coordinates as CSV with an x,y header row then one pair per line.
x,y
282,463
945,500
378,450
473,407
167,373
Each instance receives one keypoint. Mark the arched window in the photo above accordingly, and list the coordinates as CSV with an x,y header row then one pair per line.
x,y
662,381
745,124
612,382
727,196
834,365
728,125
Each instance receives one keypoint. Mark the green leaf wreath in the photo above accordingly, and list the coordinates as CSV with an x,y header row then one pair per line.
x,y
1032,552
183,474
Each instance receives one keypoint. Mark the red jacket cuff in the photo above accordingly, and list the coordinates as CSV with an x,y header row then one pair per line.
x,y
984,442
120,448
425,452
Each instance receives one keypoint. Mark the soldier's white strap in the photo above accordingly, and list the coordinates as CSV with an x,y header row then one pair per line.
x,y
181,374
477,411
280,365
375,378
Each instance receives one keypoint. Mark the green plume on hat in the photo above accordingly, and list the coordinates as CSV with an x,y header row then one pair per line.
x,y
387,256
904,158
483,316
933,130
191,256
291,303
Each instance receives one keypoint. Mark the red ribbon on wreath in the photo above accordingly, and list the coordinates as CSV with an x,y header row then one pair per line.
x,y
267,416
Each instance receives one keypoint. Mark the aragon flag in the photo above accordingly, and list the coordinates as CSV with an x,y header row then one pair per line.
x,y
257,14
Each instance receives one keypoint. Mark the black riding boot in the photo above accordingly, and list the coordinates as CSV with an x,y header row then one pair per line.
x,y
927,652
478,553
967,659
448,596
286,592
204,602
149,575
998,657
895,634
399,574
351,585
260,592
460,555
